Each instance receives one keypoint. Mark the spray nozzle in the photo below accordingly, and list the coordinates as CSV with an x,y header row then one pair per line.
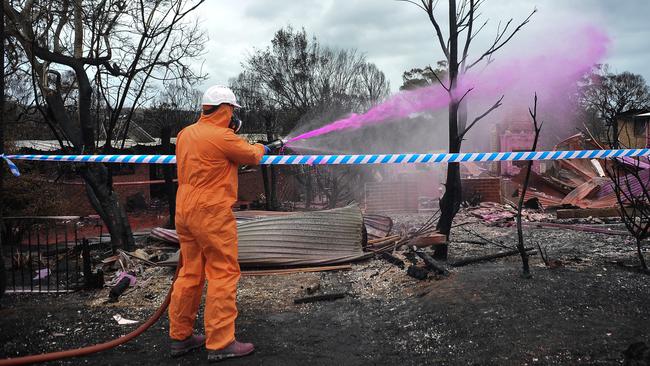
x,y
275,145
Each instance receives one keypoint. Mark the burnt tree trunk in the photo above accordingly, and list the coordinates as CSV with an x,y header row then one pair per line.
x,y
107,204
461,21
529,166
525,267
168,173
96,176
451,199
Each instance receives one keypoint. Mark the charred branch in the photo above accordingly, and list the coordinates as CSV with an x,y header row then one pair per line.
x,y
522,196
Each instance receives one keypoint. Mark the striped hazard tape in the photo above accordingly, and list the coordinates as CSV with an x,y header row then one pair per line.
x,y
351,159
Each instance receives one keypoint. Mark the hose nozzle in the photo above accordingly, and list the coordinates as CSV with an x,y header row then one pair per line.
x,y
275,145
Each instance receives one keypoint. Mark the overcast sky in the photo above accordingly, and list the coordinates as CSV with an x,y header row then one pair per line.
x,y
397,36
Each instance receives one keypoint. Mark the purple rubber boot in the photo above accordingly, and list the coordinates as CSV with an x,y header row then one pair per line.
x,y
192,342
235,349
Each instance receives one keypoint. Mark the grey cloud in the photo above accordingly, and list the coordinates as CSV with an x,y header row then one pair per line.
x,y
398,36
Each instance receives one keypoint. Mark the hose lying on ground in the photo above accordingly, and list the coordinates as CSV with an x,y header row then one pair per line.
x,y
84,351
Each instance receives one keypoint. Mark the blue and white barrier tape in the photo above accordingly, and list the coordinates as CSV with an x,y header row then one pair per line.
x,y
353,159
450,158
12,166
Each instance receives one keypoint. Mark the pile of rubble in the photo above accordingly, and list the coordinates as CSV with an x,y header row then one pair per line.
x,y
581,183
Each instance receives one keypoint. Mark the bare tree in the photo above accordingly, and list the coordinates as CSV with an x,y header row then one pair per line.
x,y
609,94
464,25
300,77
296,79
118,47
522,196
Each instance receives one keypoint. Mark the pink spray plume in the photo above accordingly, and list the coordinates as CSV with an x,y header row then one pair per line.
x,y
558,66
400,105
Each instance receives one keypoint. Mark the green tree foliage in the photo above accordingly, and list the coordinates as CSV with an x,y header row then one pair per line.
x,y
418,78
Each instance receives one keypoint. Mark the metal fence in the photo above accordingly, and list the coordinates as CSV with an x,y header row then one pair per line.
x,y
46,254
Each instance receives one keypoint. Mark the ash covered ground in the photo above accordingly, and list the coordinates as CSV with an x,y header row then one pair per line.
x,y
587,309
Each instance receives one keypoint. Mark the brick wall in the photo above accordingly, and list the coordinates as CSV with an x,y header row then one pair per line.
x,y
488,188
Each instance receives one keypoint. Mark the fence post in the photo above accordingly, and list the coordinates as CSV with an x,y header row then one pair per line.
x,y
91,280
87,267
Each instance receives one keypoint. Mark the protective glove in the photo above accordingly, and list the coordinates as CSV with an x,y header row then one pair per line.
x,y
273,146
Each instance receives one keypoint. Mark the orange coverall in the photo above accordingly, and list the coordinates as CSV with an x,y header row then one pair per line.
x,y
207,156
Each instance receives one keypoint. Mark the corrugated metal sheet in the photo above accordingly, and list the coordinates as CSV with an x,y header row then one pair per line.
x,y
296,239
377,226
606,197
320,237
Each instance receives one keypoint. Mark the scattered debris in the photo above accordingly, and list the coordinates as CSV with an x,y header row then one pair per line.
x,y
383,244
483,258
324,297
428,240
122,321
533,204
588,229
392,259
571,213
42,274
377,226
166,235
312,288
579,183
125,279
493,213
417,272
431,263
266,272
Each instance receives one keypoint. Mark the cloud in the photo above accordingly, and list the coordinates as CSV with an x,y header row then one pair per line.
x,y
398,36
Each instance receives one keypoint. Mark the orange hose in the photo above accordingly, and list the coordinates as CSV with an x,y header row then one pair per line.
x,y
84,351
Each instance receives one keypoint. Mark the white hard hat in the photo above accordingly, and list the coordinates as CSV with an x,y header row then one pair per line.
x,y
219,94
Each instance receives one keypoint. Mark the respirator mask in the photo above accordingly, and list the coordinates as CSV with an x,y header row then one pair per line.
x,y
235,123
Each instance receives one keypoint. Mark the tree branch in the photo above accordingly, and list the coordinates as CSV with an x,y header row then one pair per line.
x,y
468,40
498,42
428,6
496,105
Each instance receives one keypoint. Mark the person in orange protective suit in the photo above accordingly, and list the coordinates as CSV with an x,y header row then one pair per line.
x,y
208,154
